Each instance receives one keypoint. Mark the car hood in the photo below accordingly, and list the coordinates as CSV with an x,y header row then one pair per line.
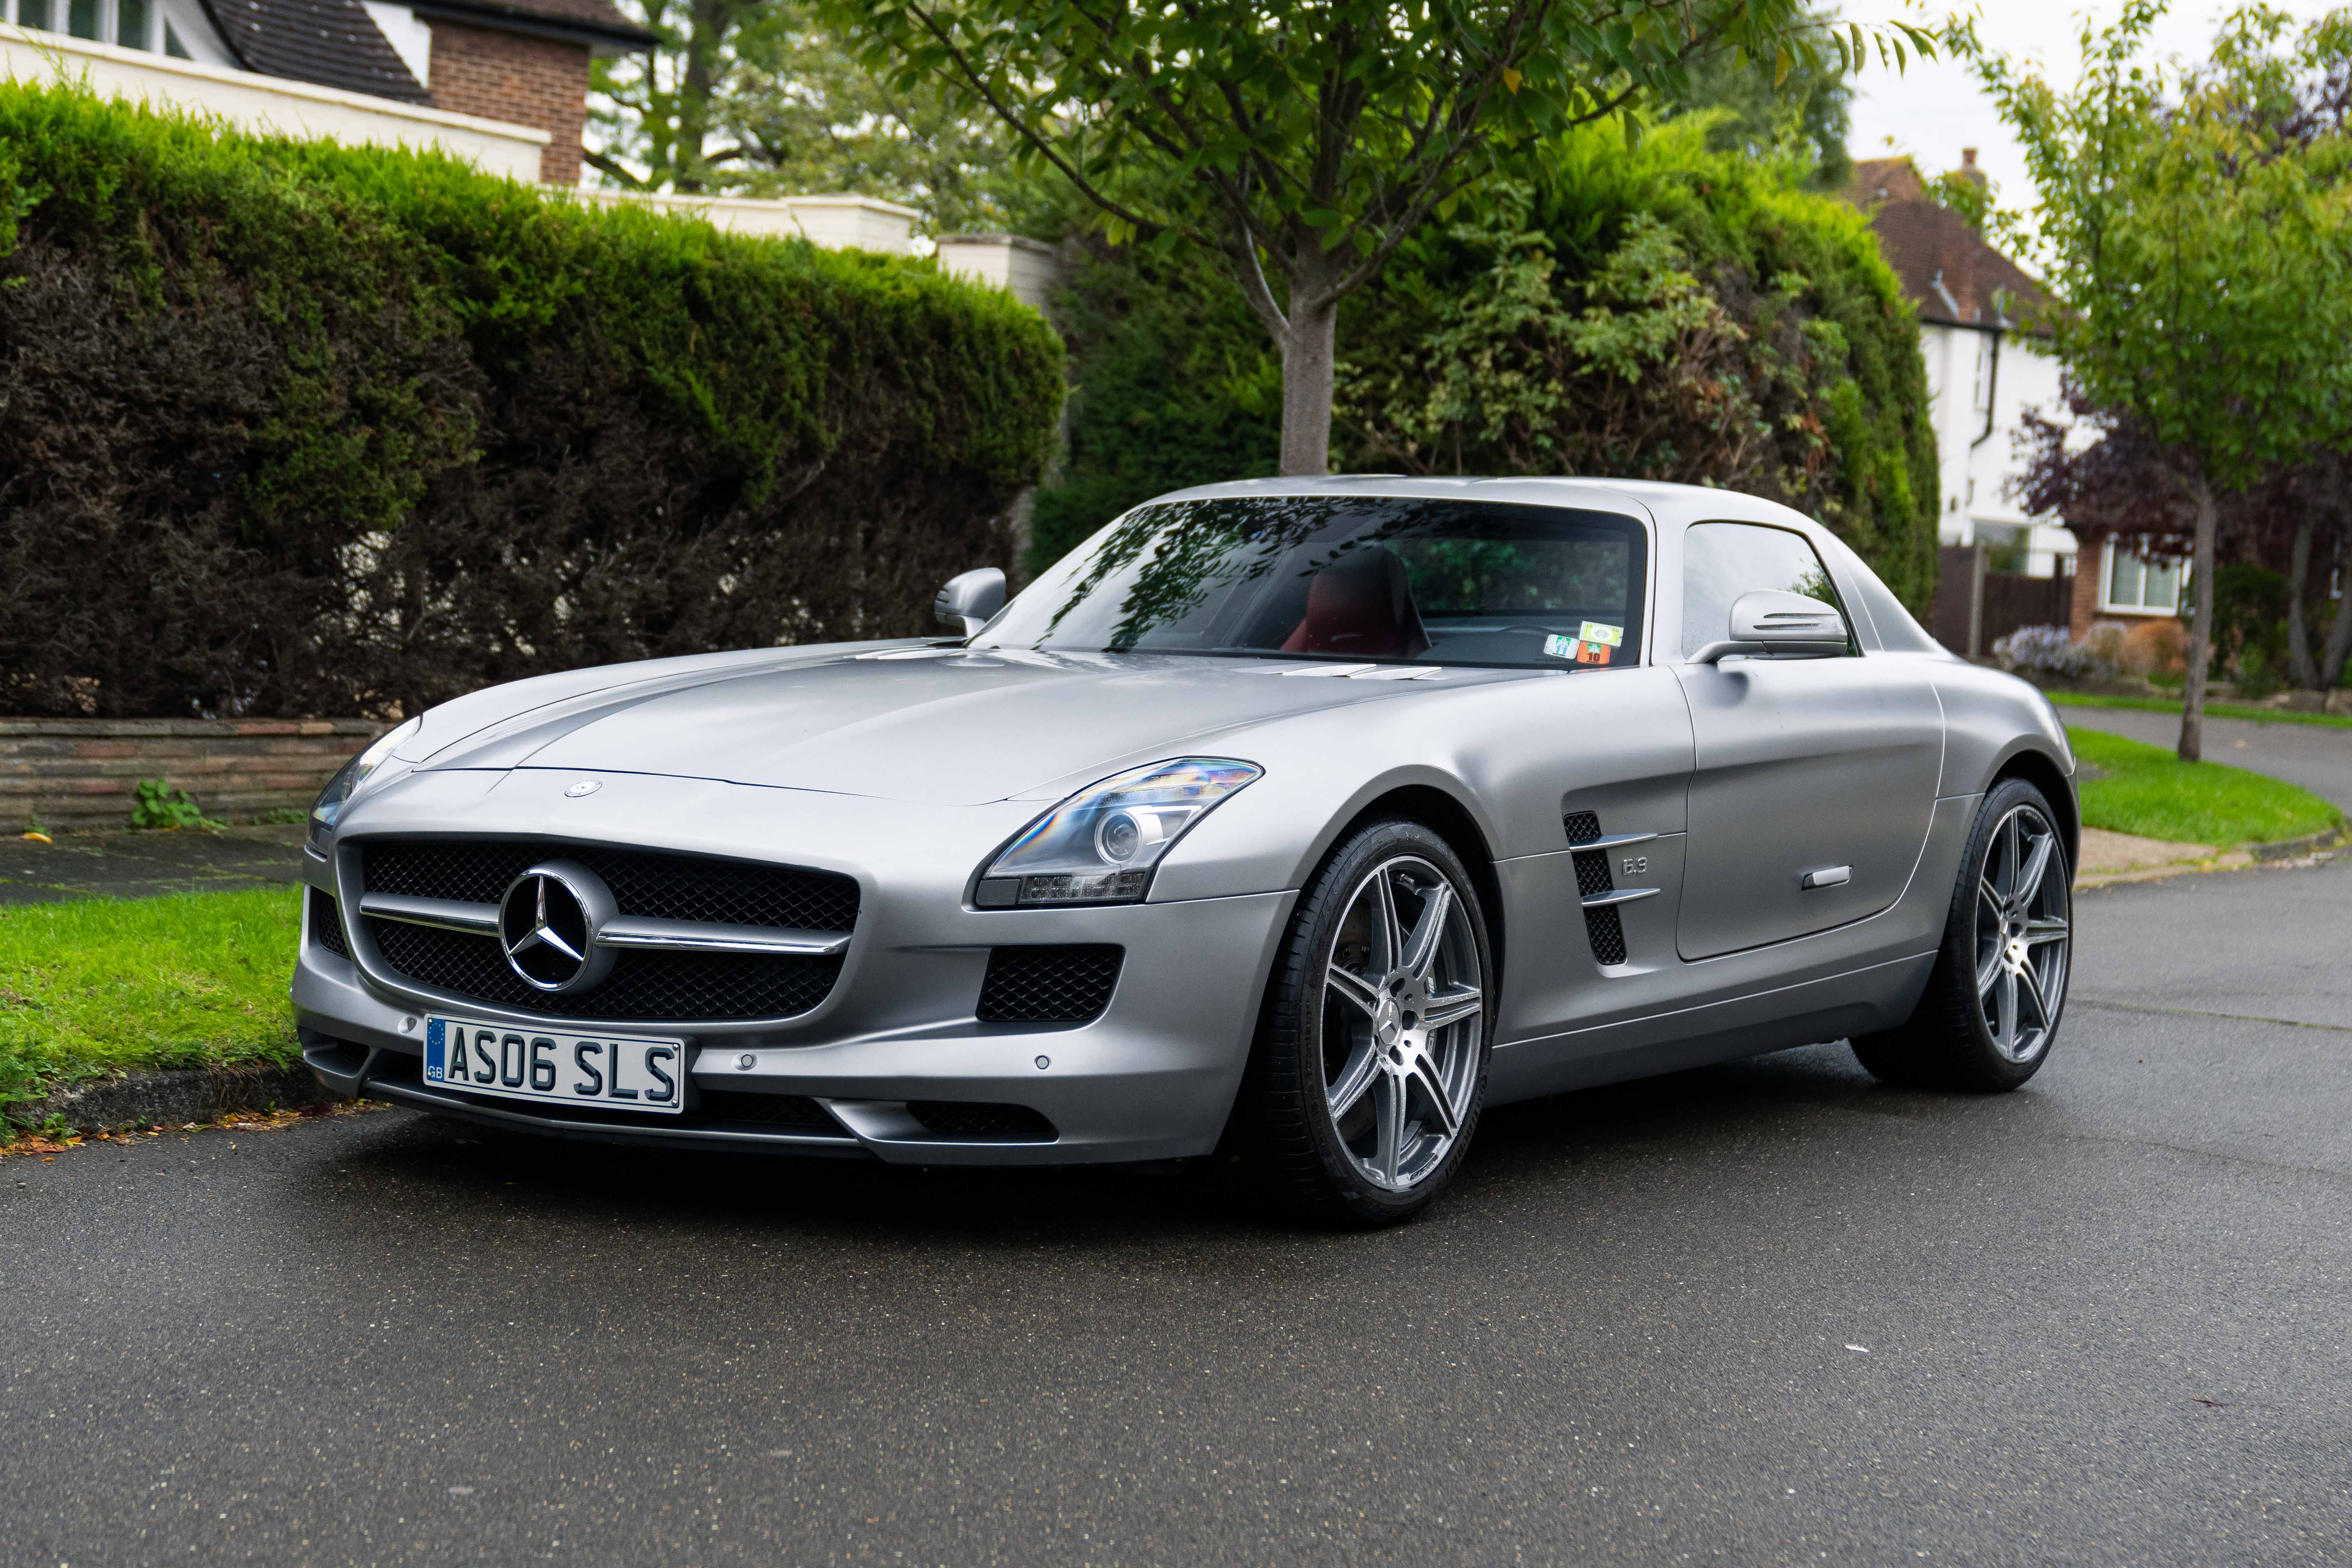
x,y
942,726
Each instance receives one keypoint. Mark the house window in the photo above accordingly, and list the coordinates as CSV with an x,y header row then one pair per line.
x,y
2139,584
130,23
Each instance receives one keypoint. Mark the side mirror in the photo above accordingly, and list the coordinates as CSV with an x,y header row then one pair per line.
x,y
969,599
1770,621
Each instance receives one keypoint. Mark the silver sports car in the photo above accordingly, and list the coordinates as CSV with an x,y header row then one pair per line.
x,y
1293,822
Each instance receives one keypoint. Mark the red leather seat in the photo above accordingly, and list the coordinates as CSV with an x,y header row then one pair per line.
x,y
1360,604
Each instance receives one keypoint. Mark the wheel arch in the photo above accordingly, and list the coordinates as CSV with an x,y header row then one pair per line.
x,y
2043,771
1452,821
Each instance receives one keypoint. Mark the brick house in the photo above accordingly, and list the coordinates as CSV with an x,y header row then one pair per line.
x,y
519,62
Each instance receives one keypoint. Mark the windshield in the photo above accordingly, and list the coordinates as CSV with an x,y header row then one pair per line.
x,y
1371,578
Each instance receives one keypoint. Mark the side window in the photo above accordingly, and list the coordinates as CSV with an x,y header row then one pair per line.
x,y
1721,561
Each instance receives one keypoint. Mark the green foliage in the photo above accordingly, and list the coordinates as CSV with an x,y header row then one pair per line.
x,y
1301,142
1807,112
2250,625
384,429
1970,194
161,803
2199,253
1662,311
2148,791
96,986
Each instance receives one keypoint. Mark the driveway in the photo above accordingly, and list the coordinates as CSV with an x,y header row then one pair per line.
x,y
2316,756
1767,1312
138,865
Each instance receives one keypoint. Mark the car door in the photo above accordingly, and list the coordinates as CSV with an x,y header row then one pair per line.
x,y
1813,779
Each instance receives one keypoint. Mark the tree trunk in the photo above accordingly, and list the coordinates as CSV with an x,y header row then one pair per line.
x,y
2201,627
2339,635
2299,662
1306,362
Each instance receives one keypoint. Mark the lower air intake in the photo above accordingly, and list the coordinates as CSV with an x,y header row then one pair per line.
x,y
1048,984
327,924
1002,1124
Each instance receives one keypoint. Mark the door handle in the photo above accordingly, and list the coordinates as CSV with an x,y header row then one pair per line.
x,y
1827,876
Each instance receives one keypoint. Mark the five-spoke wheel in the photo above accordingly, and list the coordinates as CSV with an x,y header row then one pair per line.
x,y
1991,1009
1371,1065
1402,1018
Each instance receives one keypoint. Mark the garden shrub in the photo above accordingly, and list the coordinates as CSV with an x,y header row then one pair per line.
x,y
1659,312
298,428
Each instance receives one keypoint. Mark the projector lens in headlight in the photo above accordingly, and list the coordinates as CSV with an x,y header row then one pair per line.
x,y
1099,846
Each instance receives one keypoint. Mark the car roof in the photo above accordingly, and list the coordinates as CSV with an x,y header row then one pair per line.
x,y
1666,503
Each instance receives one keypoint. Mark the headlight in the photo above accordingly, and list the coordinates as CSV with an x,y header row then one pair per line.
x,y
350,777
1099,846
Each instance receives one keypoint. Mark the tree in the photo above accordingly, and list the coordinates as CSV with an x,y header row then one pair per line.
x,y
766,100
1810,108
1302,141
2200,255
2122,484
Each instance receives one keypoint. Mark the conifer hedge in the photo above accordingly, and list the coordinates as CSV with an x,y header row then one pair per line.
x,y
293,429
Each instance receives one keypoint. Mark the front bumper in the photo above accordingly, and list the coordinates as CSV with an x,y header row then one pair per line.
x,y
1152,1077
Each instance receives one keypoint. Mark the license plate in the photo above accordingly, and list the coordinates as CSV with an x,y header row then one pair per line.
x,y
539,1064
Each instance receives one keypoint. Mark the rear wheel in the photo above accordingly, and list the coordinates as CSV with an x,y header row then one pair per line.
x,y
1991,1009
1370,1062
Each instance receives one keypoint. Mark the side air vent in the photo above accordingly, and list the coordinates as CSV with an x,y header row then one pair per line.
x,y
1048,984
327,923
1602,927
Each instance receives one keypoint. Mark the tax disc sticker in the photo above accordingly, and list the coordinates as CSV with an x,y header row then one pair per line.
x,y
1593,631
1555,646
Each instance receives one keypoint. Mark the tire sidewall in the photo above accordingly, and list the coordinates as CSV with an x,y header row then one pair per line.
x,y
1296,1037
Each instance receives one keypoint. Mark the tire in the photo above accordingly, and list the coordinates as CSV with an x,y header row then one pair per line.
x,y
1357,1109
1994,1000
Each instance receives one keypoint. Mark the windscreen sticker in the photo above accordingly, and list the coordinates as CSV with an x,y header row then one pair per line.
x,y
1608,636
1582,649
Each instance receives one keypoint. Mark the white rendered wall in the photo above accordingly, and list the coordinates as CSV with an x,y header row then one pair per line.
x,y
1978,473
1025,268
835,222
268,105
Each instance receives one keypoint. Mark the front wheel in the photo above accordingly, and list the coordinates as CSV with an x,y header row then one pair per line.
x,y
1992,1005
1371,1063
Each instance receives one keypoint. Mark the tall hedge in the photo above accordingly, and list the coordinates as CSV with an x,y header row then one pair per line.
x,y
295,429
1663,312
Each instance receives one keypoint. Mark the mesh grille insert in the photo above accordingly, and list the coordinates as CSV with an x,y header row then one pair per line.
x,y
952,1119
327,924
681,987
1048,984
727,1105
1583,826
644,883
1607,935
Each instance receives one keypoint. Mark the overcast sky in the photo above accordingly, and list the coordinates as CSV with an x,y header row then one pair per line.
x,y
1934,110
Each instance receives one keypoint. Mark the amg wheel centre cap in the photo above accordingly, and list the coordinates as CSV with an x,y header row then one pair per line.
x,y
548,922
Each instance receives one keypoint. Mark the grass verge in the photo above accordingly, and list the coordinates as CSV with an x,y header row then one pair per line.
x,y
96,985
2149,791
2213,710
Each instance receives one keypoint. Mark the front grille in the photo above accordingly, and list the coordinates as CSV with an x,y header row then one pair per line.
x,y
327,924
955,1119
680,987
644,883
1048,984
676,987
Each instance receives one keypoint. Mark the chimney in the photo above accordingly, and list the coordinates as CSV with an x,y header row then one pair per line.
x,y
1967,169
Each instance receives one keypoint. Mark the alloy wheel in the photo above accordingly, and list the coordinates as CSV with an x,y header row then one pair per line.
x,y
2024,933
1403,1013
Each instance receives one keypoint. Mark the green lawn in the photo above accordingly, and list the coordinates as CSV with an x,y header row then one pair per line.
x,y
2217,709
2149,791
101,984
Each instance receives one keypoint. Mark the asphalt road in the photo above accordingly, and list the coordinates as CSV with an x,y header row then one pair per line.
x,y
1763,1313
2316,756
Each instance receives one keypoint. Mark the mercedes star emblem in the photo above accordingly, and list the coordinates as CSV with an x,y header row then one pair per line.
x,y
548,923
